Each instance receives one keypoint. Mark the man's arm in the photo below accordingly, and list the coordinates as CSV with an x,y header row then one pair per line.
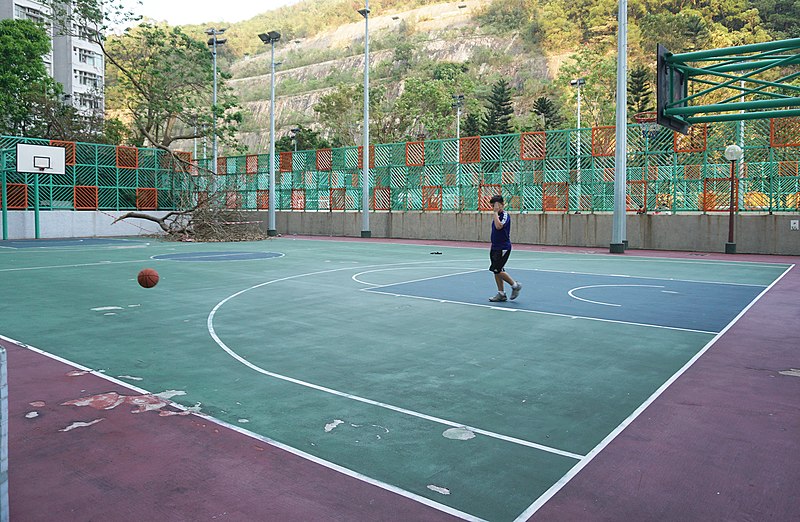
x,y
498,224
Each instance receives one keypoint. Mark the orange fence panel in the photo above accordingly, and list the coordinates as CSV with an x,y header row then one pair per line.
x,y
146,198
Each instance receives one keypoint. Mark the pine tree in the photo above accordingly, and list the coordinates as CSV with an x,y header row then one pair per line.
x,y
548,111
499,110
471,125
640,92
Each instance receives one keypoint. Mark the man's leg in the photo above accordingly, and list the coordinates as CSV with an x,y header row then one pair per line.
x,y
498,279
503,276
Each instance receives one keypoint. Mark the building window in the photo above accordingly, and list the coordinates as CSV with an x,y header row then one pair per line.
x,y
88,57
90,79
22,12
86,33
89,101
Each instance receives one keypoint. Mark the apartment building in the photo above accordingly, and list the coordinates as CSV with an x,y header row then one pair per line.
x,y
75,61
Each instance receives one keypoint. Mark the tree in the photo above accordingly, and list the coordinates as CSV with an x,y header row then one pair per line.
x,y
164,85
640,91
548,112
472,125
598,95
305,138
159,80
499,109
25,86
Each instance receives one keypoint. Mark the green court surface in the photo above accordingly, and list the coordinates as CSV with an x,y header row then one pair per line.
x,y
383,358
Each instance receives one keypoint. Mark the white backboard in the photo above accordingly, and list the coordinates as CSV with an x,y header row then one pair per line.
x,y
41,159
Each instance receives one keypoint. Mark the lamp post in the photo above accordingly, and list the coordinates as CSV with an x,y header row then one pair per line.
x,y
294,132
270,38
578,83
733,153
365,231
213,42
458,102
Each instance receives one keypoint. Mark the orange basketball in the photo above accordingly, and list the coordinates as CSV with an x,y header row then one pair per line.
x,y
148,278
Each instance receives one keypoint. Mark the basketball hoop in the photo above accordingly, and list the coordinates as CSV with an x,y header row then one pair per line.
x,y
647,120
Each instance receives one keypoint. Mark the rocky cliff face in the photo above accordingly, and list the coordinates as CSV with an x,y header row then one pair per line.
x,y
448,37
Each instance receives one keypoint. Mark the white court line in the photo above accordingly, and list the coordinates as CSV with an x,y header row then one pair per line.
x,y
596,255
217,256
266,440
603,286
640,277
373,285
229,351
547,495
100,263
540,312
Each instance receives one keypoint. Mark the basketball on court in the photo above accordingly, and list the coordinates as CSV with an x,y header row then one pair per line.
x,y
148,278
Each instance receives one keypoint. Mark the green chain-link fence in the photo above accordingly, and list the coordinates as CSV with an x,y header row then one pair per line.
x,y
559,171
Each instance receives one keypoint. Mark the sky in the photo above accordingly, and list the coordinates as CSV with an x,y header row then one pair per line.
x,y
183,12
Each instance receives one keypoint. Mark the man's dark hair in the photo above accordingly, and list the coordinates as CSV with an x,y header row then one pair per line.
x,y
496,199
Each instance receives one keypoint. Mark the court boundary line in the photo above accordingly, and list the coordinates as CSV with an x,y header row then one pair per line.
x,y
601,255
266,440
355,276
373,286
18,269
138,243
641,277
358,398
555,488
212,257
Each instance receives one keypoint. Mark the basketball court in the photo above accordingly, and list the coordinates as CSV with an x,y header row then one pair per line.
x,y
304,378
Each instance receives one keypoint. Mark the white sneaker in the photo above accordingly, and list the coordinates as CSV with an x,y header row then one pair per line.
x,y
499,298
515,291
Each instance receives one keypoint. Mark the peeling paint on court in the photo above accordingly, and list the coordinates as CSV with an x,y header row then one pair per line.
x,y
106,308
37,404
458,434
31,414
80,425
794,372
332,425
129,377
140,403
77,373
438,489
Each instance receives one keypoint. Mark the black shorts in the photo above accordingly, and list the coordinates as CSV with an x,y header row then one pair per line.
x,y
499,258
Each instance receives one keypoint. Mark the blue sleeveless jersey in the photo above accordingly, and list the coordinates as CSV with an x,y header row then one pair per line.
x,y
501,239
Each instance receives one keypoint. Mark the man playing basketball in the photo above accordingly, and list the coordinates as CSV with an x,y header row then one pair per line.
x,y
501,249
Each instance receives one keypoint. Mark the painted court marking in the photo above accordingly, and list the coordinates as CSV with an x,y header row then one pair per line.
x,y
232,353
555,488
556,314
217,256
570,293
72,266
266,440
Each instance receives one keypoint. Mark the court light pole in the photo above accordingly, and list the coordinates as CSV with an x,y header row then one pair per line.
x,y
270,38
578,83
458,102
294,132
365,231
618,233
733,153
213,42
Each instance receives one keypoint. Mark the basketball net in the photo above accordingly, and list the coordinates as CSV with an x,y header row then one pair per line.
x,y
647,120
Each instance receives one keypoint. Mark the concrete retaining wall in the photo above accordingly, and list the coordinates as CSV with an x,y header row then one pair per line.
x,y
66,223
755,234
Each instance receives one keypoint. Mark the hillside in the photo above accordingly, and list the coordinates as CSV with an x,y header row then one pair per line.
x,y
422,52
